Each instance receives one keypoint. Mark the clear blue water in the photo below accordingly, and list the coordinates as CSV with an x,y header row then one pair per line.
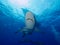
x,y
47,14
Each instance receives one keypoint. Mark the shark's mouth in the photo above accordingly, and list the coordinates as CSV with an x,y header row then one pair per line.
x,y
30,19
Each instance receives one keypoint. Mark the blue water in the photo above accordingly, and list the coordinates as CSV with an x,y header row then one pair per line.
x,y
47,14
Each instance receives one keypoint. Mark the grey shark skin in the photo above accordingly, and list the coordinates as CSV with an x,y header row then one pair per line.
x,y
30,24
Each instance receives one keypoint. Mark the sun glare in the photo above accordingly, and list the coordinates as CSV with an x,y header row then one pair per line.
x,y
19,3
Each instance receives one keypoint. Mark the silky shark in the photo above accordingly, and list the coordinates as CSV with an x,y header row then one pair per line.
x,y
30,23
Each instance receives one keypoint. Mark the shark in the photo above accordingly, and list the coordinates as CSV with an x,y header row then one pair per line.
x,y
30,23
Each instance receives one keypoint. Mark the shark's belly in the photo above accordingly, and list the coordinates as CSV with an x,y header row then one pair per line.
x,y
30,24
29,20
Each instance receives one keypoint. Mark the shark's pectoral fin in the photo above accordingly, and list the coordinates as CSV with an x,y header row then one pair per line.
x,y
23,30
17,31
37,30
20,30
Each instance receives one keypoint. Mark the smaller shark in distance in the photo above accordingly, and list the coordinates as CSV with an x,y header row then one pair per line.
x,y
30,23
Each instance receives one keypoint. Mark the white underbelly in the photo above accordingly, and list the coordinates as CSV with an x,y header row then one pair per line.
x,y
30,24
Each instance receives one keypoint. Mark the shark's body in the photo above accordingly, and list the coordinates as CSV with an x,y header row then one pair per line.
x,y
30,24
30,27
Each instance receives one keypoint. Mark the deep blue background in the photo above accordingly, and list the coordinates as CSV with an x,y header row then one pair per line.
x,y
47,17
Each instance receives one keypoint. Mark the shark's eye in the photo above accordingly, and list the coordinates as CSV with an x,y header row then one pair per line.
x,y
30,19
